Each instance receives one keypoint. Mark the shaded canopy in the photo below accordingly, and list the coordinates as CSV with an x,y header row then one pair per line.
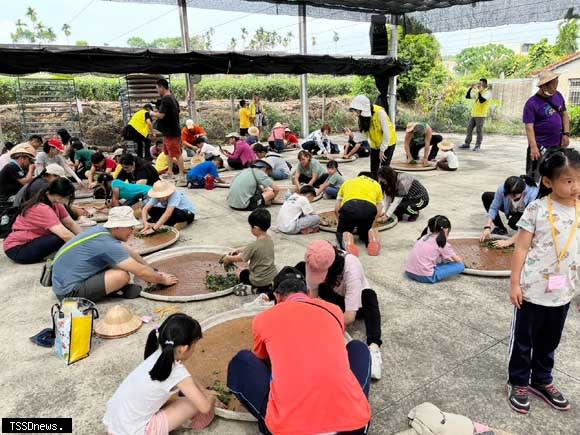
x,y
71,60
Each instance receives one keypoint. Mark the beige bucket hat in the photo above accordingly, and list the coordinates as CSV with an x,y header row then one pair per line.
x,y
547,77
161,189
446,145
121,217
23,149
253,130
118,322
55,169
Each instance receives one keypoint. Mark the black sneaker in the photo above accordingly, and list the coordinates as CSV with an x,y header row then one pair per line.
x,y
499,231
477,148
518,398
464,147
551,396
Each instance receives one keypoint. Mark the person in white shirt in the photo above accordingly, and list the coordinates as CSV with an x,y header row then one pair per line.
x,y
139,406
208,151
318,142
447,160
297,215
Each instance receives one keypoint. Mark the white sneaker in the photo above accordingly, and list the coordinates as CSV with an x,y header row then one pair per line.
x,y
261,302
376,361
167,177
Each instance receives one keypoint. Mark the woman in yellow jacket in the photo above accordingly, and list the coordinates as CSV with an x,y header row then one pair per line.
x,y
375,123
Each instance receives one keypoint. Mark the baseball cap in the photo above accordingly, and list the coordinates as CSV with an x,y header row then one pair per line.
x,y
56,143
236,135
54,169
319,257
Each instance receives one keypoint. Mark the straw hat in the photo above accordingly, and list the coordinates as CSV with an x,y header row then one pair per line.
x,y
162,189
55,169
410,127
118,322
446,145
24,149
236,135
253,131
547,77
278,125
121,217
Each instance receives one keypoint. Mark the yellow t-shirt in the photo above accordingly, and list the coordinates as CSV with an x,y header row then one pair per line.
x,y
361,188
376,129
139,122
480,110
245,118
162,163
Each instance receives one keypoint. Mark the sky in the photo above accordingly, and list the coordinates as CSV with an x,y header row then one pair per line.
x,y
102,22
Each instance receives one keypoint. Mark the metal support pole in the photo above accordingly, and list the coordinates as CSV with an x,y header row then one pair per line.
x,y
303,78
189,90
393,80
233,113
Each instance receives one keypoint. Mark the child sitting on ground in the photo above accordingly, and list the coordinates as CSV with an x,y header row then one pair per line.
x,y
259,256
166,207
197,175
448,160
433,259
332,184
208,151
156,149
297,215
141,403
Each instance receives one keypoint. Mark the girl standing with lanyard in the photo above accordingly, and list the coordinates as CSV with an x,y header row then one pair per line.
x,y
543,281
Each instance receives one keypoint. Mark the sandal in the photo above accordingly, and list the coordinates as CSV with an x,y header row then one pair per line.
x,y
44,338
242,290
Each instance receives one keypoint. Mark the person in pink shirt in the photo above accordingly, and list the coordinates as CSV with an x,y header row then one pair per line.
x,y
242,156
433,258
276,139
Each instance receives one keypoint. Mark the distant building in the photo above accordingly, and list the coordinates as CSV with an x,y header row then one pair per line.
x,y
569,70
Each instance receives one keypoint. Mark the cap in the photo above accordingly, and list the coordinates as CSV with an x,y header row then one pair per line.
x,y
189,123
118,152
362,103
319,256
55,169
236,135
287,130
161,189
121,217
56,143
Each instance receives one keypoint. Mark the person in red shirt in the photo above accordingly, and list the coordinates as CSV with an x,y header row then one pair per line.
x,y
313,383
290,139
191,136
100,165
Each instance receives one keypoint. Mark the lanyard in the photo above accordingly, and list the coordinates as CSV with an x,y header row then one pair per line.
x,y
560,256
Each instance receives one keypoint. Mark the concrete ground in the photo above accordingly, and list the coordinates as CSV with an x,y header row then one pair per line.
x,y
445,343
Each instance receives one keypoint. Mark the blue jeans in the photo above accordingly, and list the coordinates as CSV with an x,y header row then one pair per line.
x,y
442,271
278,174
332,192
249,379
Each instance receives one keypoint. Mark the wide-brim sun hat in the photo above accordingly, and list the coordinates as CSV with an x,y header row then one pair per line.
x,y
319,257
121,217
410,127
162,189
55,169
236,135
261,164
24,149
253,131
446,145
278,125
118,321
547,77
362,103
57,144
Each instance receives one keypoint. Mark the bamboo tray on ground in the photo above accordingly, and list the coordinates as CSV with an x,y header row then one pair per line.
x,y
190,264
82,191
329,222
481,260
226,180
338,158
100,213
157,241
412,167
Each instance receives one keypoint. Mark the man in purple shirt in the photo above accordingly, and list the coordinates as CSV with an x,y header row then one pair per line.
x,y
547,121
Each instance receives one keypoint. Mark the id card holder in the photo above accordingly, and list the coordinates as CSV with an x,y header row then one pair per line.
x,y
556,283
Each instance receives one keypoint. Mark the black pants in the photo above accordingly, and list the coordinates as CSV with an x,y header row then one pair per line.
x,y
376,159
319,181
416,147
513,218
363,151
356,214
237,164
533,166
245,279
243,132
535,334
143,143
411,206
178,215
35,250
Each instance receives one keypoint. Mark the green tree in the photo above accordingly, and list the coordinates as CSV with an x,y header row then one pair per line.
x,y
567,39
492,60
66,30
33,30
263,40
82,43
424,53
196,42
137,42
541,54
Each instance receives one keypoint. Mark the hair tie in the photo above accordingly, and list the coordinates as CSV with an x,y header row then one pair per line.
x,y
169,342
157,333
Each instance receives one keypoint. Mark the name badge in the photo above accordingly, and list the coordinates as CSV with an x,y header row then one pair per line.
x,y
556,283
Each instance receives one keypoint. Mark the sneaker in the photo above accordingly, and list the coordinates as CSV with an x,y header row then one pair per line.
x,y
518,398
167,177
477,148
181,182
261,302
551,395
498,231
376,361
464,146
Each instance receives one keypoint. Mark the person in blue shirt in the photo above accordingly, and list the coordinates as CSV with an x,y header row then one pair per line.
x,y
196,175
511,198
167,206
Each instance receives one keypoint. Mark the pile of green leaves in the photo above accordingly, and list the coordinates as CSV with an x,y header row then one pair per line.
x,y
489,244
162,230
216,282
224,393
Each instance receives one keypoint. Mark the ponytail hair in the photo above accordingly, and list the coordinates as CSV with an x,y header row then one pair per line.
x,y
555,161
436,225
177,330
333,164
515,185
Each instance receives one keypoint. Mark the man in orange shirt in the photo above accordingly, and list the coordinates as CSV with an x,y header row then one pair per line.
x,y
313,383
191,136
